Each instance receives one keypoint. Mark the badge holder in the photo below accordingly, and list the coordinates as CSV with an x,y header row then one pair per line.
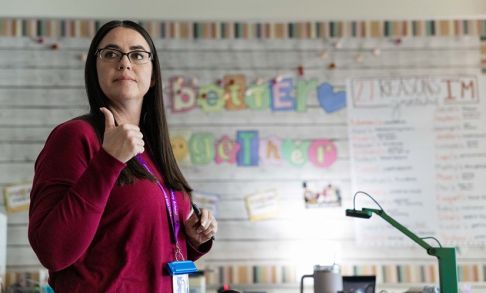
x,y
181,267
180,270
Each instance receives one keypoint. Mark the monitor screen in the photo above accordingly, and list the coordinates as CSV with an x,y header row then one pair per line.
x,y
359,284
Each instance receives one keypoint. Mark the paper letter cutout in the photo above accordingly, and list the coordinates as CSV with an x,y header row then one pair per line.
x,y
179,147
182,93
234,91
322,153
201,148
258,97
282,98
329,100
249,144
270,153
295,152
211,98
226,150
305,89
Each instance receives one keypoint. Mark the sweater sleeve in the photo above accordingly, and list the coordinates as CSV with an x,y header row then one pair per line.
x,y
195,253
72,183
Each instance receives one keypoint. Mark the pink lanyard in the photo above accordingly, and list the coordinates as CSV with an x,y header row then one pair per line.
x,y
171,203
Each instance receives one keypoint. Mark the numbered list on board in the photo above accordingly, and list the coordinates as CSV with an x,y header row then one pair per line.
x,y
418,146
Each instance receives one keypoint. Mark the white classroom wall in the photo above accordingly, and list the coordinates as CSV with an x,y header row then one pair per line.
x,y
260,10
266,10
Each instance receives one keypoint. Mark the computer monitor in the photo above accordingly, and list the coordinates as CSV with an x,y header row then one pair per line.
x,y
359,284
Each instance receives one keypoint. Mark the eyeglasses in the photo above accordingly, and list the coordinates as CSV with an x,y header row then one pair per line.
x,y
113,55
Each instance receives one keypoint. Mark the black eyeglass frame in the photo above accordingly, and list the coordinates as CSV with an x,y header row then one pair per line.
x,y
100,50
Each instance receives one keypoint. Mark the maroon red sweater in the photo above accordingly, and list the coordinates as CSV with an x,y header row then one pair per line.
x,y
93,235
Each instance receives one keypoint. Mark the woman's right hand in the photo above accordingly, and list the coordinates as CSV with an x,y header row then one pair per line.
x,y
123,142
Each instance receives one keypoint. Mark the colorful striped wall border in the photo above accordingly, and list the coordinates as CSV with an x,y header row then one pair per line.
x,y
17,27
386,273
287,274
248,274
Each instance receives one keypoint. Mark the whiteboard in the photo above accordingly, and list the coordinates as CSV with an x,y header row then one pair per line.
x,y
418,146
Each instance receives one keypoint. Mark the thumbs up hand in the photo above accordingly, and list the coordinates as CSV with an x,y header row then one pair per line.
x,y
122,142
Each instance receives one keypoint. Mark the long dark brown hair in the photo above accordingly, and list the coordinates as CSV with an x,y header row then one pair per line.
x,y
153,123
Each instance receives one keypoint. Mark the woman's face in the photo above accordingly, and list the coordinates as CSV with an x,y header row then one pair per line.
x,y
124,81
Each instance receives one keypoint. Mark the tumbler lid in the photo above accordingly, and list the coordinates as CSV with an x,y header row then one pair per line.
x,y
332,268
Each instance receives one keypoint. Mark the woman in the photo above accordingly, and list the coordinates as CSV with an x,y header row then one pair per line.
x,y
109,205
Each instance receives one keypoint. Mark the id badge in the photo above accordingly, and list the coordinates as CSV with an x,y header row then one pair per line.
x,y
180,283
180,270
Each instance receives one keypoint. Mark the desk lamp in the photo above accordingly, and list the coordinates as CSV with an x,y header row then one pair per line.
x,y
445,255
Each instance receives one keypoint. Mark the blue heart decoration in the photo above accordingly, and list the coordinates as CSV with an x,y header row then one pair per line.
x,y
329,100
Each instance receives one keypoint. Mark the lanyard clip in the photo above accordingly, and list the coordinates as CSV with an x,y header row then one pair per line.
x,y
178,253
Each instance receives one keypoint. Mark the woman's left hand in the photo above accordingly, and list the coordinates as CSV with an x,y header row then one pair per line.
x,y
201,230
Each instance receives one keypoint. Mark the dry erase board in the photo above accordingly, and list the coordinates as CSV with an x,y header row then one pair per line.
x,y
418,144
